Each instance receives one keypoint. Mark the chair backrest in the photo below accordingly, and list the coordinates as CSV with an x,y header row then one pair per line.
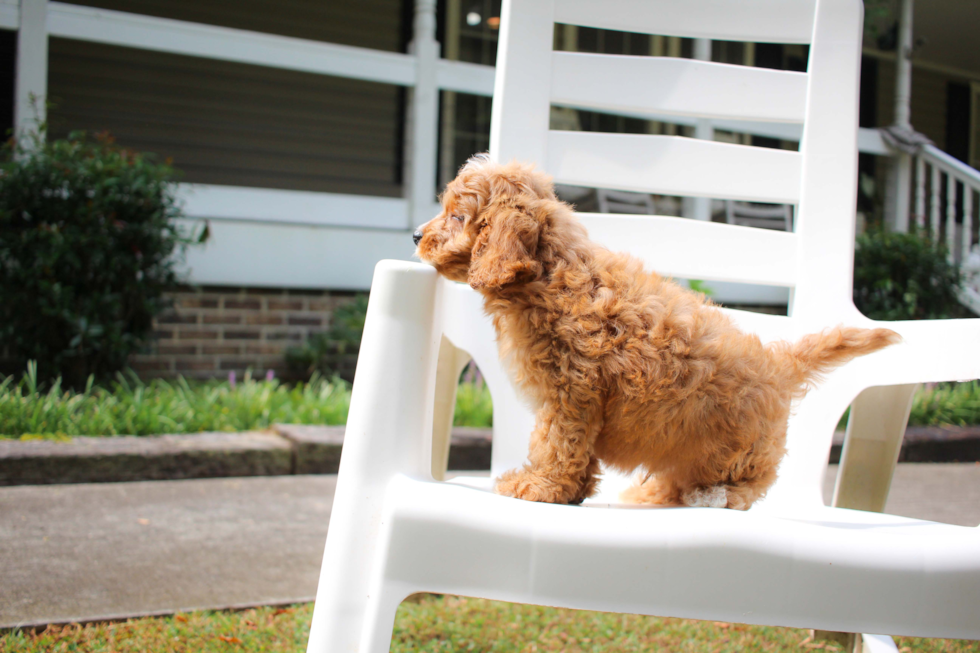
x,y
821,178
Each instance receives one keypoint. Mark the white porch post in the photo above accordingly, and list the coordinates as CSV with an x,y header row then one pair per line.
x,y
701,206
900,175
31,70
421,137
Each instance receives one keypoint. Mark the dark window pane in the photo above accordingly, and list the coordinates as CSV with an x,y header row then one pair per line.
x,y
373,24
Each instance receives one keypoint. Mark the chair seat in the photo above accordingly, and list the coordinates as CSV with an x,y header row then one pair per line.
x,y
819,567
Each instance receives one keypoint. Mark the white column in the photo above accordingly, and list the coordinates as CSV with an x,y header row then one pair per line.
x,y
31,72
903,81
701,206
423,120
900,175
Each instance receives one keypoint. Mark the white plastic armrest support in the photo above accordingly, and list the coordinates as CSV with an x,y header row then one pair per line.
x,y
875,429
452,360
388,433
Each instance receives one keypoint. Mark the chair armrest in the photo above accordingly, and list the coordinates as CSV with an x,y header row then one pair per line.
x,y
390,417
932,351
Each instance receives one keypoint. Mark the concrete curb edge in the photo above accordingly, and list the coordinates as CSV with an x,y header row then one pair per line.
x,y
299,449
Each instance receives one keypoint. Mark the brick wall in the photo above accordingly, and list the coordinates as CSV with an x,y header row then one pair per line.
x,y
210,332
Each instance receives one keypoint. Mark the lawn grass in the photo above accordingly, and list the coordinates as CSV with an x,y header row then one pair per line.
x,y
437,624
473,404
129,406
947,403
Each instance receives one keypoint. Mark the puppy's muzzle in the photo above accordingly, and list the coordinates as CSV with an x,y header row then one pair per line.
x,y
417,236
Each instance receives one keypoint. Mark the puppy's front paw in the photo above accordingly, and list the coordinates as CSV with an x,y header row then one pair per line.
x,y
525,484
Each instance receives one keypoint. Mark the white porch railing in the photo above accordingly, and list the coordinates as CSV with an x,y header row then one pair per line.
x,y
376,227
945,206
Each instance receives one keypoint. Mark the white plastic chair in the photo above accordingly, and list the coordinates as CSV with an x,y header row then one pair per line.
x,y
397,529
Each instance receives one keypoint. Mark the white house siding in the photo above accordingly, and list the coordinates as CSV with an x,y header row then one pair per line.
x,y
230,123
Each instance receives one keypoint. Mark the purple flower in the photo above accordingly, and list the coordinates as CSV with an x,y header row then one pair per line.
x,y
269,375
231,379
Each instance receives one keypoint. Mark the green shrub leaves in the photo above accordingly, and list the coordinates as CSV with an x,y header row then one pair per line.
x,y
904,277
87,249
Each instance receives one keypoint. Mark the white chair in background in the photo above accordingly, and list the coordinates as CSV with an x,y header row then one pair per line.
x,y
761,216
618,201
396,528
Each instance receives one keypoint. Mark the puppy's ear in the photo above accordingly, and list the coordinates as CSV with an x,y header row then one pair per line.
x,y
505,250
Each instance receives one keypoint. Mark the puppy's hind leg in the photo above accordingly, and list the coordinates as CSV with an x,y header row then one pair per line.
x,y
715,496
661,489
738,492
751,475
655,489
736,497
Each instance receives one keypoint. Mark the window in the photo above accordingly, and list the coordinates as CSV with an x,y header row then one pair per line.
x,y
471,36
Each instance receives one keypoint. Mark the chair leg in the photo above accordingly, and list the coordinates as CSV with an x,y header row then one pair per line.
x,y
379,618
359,614
878,644
875,429
338,612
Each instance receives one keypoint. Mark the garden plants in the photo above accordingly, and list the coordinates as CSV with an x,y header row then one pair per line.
x,y
89,248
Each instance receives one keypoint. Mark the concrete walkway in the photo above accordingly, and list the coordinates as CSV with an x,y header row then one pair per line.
x,y
97,551
107,550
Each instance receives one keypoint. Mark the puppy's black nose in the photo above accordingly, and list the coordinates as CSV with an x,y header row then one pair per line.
x,y
417,236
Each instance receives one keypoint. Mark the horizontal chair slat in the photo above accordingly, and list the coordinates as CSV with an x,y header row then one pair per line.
x,y
677,87
761,21
724,252
674,165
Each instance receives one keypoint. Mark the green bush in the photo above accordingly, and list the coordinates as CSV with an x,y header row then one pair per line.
x,y
86,255
904,277
334,351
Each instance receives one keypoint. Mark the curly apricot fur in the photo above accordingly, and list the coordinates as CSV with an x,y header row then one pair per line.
x,y
623,366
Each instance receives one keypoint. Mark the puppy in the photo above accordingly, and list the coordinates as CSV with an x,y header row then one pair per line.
x,y
622,366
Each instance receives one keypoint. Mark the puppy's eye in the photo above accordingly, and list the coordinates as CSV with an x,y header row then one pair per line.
x,y
457,217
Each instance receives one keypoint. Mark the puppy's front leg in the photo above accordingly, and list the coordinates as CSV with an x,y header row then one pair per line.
x,y
562,467
590,481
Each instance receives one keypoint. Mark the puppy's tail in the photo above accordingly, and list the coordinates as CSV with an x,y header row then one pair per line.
x,y
813,355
